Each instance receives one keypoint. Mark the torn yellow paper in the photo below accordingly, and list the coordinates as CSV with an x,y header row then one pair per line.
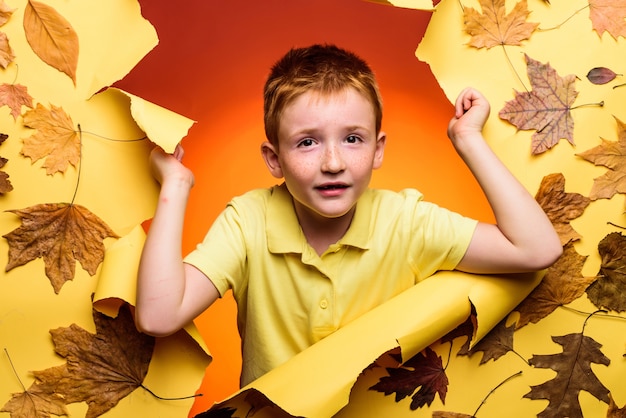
x,y
162,126
408,4
117,281
317,382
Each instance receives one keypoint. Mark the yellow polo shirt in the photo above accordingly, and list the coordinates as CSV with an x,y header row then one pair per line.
x,y
288,297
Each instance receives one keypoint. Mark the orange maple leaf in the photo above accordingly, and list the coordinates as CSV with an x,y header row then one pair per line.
x,y
494,27
15,96
101,368
612,155
546,108
609,16
561,207
56,138
6,53
574,373
60,233
35,402
562,284
51,37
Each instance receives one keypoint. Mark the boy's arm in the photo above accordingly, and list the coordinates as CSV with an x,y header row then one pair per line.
x,y
523,238
170,294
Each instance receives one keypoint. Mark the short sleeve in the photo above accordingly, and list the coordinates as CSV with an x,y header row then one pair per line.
x,y
221,256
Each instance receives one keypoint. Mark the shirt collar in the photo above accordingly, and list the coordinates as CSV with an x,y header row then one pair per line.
x,y
284,234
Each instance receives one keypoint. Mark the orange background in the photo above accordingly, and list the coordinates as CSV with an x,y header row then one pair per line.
x,y
210,66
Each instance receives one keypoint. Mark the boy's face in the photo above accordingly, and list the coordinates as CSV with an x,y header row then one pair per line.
x,y
328,147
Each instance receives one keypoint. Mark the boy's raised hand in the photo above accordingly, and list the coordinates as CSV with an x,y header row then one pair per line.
x,y
169,166
471,111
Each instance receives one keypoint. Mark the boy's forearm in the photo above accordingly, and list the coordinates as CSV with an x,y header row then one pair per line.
x,y
161,278
518,216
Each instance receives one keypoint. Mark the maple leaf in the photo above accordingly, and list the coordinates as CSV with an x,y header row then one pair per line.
x,y
608,15
424,371
51,37
35,402
496,343
56,139
101,368
15,96
546,108
466,329
6,53
574,373
60,233
494,27
609,291
561,207
612,155
5,12
562,284
5,184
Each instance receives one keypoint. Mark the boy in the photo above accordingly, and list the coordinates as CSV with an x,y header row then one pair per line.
x,y
308,256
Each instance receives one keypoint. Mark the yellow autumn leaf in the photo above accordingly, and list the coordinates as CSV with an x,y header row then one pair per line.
x,y
51,37
56,139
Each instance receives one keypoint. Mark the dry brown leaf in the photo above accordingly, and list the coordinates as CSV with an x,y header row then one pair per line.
x,y
60,233
421,377
5,184
6,53
546,108
562,284
448,414
561,207
35,402
601,75
494,27
615,411
613,156
15,96
496,343
101,368
5,12
608,15
574,373
51,37
609,291
56,139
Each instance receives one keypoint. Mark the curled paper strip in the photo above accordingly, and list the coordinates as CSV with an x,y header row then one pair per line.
x,y
412,321
162,126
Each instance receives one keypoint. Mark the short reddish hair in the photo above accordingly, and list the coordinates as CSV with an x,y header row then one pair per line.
x,y
322,68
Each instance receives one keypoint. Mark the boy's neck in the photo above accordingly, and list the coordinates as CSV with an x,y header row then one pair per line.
x,y
321,232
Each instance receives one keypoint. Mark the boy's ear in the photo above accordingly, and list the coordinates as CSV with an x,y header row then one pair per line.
x,y
380,150
270,156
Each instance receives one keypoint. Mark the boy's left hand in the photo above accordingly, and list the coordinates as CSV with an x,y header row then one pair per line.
x,y
471,111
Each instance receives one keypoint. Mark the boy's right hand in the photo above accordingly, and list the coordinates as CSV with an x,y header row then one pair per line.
x,y
169,167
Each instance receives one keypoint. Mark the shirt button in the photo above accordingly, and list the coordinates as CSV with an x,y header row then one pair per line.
x,y
323,304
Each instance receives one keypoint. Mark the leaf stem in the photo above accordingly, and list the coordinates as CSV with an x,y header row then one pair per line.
x,y
493,390
80,163
565,21
519,78
113,139
616,225
182,398
14,370
599,104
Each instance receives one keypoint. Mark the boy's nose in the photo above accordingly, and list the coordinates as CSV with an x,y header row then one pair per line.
x,y
332,160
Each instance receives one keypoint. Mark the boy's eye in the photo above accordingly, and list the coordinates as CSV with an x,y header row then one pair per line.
x,y
353,139
307,142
